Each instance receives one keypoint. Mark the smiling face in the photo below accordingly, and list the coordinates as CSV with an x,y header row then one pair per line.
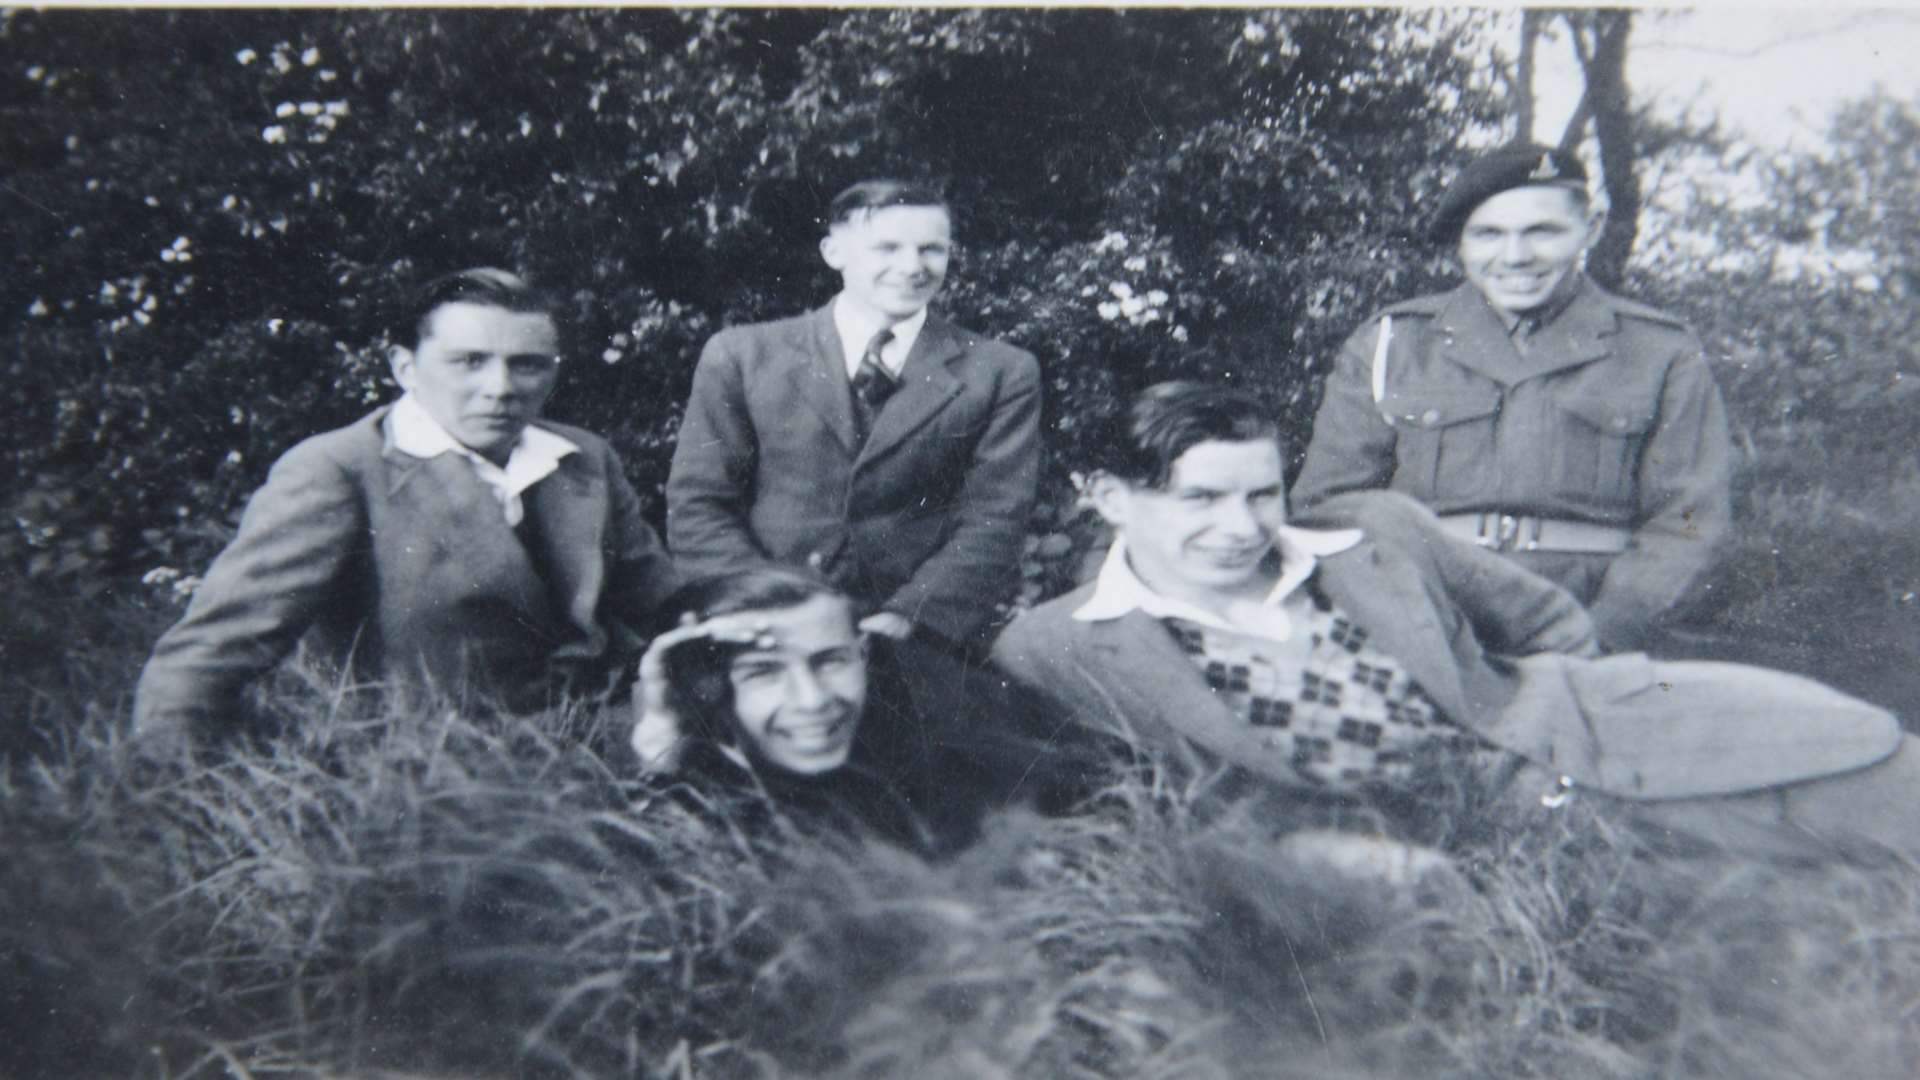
x,y
1521,247
891,260
1203,538
797,704
482,372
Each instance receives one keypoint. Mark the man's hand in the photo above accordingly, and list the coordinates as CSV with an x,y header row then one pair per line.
x,y
887,624
659,738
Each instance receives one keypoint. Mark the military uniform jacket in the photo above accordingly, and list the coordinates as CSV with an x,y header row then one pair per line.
x,y
1611,417
925,518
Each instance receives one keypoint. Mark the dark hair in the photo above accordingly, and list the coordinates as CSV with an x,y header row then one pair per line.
x,y
1170,418
481,285
870,195
697,671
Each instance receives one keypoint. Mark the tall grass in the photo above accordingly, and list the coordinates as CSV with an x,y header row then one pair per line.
x,y
440,894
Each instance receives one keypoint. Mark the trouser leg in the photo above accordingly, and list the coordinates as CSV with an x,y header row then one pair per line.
x,y
1851,813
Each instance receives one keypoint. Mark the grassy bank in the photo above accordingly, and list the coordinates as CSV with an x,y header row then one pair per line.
x,y
445,895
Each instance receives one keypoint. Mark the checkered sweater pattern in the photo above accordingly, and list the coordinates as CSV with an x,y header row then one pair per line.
x,y
1341,712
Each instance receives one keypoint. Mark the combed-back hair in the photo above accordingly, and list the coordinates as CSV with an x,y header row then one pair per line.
x,y
869,195
487,285
1170,418
698,671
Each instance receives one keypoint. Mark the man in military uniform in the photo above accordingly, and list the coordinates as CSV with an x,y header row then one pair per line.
x,y
1539,415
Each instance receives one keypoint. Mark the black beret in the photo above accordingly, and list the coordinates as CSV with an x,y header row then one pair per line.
x,y
1511,166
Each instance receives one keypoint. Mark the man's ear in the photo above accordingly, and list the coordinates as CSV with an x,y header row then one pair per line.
x,y
400,361
832,249
1110,497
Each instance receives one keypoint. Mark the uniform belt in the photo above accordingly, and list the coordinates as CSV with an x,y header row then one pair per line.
x,y
1518,532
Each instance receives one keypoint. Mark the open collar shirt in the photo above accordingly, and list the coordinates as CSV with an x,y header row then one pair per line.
x,y
1119,591
536,454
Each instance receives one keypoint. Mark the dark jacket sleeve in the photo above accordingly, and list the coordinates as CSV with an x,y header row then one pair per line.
x,y
1686,509
639,573
954,590
710,486
1352,448
295,539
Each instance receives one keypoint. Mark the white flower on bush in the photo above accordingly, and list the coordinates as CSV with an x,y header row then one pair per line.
x,y
1113,241
274,133
246,56
180,586
1138,309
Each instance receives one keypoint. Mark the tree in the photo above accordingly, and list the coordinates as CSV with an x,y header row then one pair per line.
x,y
1598,39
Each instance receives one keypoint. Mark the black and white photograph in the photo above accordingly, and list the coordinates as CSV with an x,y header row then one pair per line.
x,y
1201,543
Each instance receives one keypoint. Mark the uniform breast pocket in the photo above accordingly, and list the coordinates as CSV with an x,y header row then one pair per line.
x,y
1597,449
1445,446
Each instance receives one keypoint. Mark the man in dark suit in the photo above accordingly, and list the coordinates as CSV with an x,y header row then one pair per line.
x,y
886,449
1327,658
449,539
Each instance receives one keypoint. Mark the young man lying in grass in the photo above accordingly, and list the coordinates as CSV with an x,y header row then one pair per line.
x,y
1333,657
768,681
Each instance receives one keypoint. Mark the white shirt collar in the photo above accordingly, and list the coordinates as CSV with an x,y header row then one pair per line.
x,y
1118,590
856,328
536,454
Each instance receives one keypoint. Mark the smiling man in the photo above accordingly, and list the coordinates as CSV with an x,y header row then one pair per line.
x,y
1577,433
871,442
1335,659
766,680
449,539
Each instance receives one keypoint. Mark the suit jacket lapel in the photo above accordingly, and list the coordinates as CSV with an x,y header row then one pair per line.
x,y
820,375
927,383
568,511
1387,598
1145,678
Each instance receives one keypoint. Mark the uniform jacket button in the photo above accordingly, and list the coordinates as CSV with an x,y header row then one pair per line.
x,y
1431,416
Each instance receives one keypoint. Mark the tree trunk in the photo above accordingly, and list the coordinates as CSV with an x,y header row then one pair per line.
x,y
1530,23
1605,65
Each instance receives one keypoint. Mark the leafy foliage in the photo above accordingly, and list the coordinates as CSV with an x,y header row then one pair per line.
x,y
1799,269
212,213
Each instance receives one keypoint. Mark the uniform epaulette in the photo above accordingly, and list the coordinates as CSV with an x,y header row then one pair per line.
x,y
1623,306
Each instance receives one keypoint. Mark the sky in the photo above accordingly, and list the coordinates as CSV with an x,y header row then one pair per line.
x,y
1773,74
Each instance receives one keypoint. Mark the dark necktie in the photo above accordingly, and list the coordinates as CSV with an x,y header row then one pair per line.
x,y
872,386
1524,331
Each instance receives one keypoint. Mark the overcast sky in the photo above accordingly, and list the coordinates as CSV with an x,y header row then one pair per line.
x,y
1774,74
